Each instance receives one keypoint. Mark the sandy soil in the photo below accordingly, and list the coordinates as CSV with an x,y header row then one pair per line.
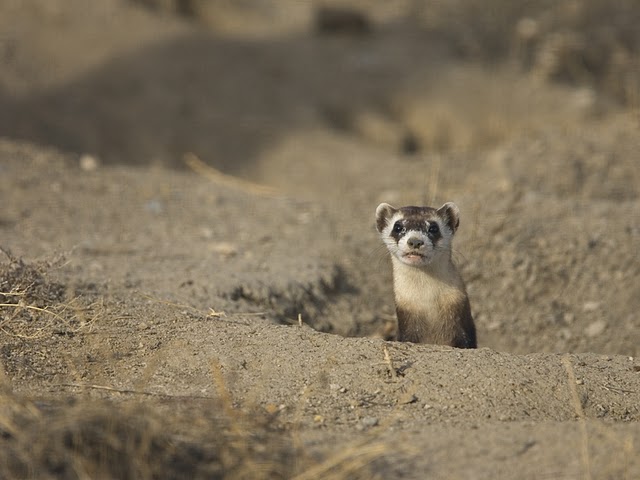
x,y
191,285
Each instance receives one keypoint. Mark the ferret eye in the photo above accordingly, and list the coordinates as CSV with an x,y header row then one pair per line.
x,y
398,228
434,228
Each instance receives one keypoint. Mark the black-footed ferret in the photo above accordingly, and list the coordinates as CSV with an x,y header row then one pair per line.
x,y
431,300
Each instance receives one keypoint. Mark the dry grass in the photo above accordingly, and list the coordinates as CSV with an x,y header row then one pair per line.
x,y
131,434
84,438
27,283
32,305
167,438
106,432
579,411
614,465
215,175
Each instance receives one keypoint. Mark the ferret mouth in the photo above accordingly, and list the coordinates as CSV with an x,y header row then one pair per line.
x,y
414,258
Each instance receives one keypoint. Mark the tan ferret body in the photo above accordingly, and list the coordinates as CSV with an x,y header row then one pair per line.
x,y
431,300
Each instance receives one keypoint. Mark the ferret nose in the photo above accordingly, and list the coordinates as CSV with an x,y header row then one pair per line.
x,y
415,242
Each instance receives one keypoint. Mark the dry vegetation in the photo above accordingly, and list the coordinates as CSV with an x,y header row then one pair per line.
x,y
107,432
136,440
30,304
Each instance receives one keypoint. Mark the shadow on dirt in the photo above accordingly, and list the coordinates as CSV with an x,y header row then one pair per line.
x,y
198,94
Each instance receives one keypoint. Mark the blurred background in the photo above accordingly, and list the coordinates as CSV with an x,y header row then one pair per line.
x,y
144,81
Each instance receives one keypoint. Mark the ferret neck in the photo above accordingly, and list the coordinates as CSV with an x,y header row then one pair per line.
x,y
441,269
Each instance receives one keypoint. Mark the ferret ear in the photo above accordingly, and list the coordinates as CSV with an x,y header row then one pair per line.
x,y
450,213
383,213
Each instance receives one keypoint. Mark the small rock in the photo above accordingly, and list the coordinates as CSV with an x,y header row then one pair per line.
x,y
407,398
224,249
590,306
596,328
89,163
334,387
368,422
494,325
154,206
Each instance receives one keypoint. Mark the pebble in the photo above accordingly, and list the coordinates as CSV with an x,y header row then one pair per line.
x,y
494,325
590,306
368,422
596,328
224,249
334,387
154,206
407,398
89,163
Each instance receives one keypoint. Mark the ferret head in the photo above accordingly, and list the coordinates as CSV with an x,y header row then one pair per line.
x,y
418,236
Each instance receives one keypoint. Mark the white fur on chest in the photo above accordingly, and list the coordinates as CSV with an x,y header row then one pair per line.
x,y
425,291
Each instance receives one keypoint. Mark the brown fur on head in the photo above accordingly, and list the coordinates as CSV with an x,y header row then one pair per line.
x,y
451,214
418,235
